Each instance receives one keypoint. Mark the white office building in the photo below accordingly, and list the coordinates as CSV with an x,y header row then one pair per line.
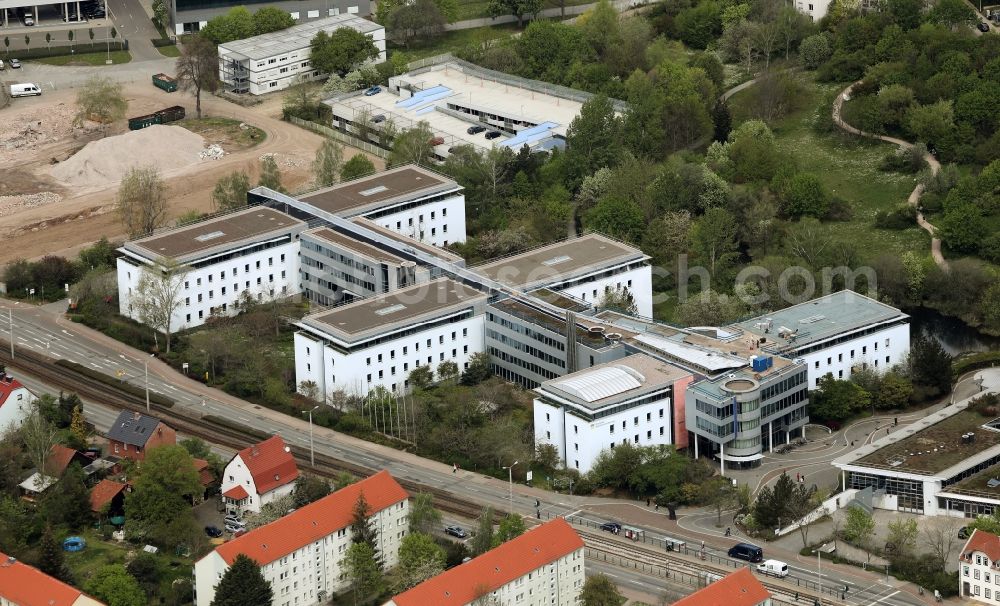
x,y
253,251
834,334
543,566
277,60
379,341
300,553
628,401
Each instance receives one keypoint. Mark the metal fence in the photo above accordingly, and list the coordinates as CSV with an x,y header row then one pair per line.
x,y
342,137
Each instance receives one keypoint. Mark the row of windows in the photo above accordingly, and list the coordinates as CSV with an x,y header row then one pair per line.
x,y
235,272
215,260
406,365
521,329
336,256
849,337
534,352
416,346
719,412
716,430
420,220
783,385
745,443
406,332
391,210
211,293
517,361
790,400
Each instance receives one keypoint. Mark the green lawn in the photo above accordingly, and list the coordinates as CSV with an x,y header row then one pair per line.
x,y
451,42
96,554
226,131
169,51
848,167
117,57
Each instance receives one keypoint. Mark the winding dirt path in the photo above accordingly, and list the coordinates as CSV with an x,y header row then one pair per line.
x,y
914,198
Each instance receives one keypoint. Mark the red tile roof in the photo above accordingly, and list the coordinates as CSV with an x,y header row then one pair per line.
x,y
205,474
8,386
58,460
270,464
27,586
740,588
495,568
102,494
983,542
236,492
314,521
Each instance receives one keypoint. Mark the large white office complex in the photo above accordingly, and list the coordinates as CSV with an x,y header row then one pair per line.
x,y
629,401
380,341
545,565
834,334
211,264
275,61
300,554
453,96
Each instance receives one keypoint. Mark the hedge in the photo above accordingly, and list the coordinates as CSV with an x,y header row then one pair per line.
x,y
262,435
161,42
154,398
62,51
984,359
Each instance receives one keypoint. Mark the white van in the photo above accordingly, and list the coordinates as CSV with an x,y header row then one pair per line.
x,y
24,90
774,568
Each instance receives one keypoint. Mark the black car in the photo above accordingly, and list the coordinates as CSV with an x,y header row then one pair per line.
x,y
983,27
379,118
475,130
493,134
746,551
455,531
613,527
213,531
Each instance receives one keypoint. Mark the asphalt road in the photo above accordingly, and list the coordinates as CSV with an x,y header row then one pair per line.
x,y
44,330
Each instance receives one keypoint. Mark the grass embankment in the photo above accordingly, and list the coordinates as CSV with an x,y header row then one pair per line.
x,y
452,42
231,134
117,57
848,166
169,51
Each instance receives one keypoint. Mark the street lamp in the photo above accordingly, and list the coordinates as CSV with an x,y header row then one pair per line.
x,y
145,365
510,480
312,452
10,318
819,574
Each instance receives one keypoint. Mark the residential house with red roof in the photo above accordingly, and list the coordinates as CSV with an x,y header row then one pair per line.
x,y
979,574
109,494
542,566
258,475
60,458
300,553
740,588
23,585
133,433
15,402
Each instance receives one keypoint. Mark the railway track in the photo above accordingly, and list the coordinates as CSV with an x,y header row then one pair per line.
x,y
66,379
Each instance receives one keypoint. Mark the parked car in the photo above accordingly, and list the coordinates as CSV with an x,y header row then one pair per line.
x,y
614,527
371,92
493,134
232,518
213,531
983,27
746,551
436,141
234,528
475,130
15,64
963,532
455,531
379,118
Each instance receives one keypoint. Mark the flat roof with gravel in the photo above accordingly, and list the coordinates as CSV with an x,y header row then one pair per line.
x,y
365,250
560,261
383,189
199,240
383,314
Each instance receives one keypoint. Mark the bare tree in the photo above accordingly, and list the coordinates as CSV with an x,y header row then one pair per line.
x,y
198,68
158,295
942,540
326,166
142,201
766,35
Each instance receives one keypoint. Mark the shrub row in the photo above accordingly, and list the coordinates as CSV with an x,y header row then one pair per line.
x,y
985,359
256,433
161,42
60,51
154,398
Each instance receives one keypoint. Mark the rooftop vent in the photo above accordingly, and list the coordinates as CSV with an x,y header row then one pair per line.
x,y
375,190
557,260
812,319
210,236
385,311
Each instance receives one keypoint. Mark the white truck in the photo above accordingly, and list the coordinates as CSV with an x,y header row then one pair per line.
x,y
774,568
24,90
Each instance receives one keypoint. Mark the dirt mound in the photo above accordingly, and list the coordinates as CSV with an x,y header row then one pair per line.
x,y
104,162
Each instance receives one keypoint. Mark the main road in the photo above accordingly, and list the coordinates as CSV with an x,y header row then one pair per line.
x,y
44,329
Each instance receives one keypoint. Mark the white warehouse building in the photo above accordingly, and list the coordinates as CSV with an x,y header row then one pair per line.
x,y
379,341
254,251
630,400
277,60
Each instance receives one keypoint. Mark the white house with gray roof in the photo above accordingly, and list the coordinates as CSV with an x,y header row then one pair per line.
x,y
277,60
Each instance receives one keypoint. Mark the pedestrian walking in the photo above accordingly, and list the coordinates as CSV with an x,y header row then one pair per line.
x,y
798,477
657,507
454,468
647,501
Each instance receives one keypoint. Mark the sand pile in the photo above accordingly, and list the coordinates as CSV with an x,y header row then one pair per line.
x,y
105,161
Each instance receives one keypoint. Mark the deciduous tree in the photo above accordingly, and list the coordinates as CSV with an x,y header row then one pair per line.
x,y
270,174
420,20
230,191
327,164
482,538
598,590
100,100
341,51
157,296
358,166
420,558
157,507
423,517
198,67
142,201
413,146
859,527
114,586
361,567
518,8
309,488
511,527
